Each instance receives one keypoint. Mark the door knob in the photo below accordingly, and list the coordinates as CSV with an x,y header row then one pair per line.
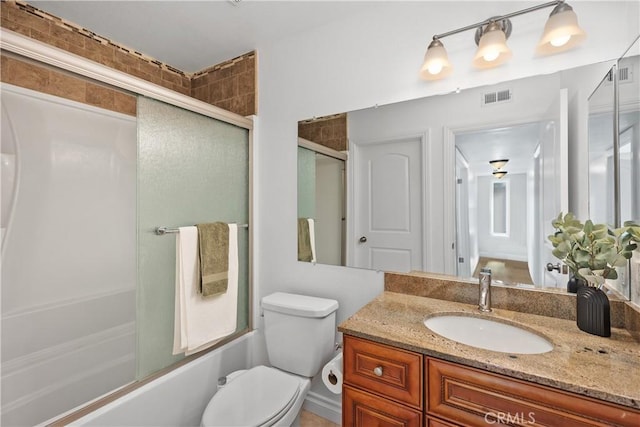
x,y
551,267
363,239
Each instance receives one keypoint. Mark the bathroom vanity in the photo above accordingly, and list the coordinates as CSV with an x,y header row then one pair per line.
x,y
397,372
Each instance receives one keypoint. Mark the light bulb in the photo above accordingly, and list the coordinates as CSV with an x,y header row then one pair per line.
x,y
492,55
560,41
435,67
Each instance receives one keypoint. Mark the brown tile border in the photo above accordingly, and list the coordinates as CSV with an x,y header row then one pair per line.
x,y
230,85
35,76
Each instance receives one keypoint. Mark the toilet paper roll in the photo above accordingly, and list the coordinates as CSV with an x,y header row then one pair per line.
x,y
332,374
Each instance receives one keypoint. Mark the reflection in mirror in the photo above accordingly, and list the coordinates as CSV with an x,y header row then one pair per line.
x,y
321,206
601,156
421,144
629,133
629,139
402,155
614,156
498,208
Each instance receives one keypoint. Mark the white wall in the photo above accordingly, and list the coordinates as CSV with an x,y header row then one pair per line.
x,y
513,245
373,58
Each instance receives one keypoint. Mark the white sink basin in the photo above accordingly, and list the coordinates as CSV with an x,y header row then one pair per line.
x,y
488,334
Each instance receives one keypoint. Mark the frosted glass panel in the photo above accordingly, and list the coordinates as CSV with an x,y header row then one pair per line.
x,y
191,169
68,254
306,183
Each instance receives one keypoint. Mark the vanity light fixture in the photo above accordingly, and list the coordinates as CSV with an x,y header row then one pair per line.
x,y
561,33
498,164
499,174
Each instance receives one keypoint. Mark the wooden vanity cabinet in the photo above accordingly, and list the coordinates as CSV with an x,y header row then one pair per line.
x,y
473,397
389,387
383,385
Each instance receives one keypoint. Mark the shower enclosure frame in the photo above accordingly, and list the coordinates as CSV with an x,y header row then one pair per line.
x,y
29,48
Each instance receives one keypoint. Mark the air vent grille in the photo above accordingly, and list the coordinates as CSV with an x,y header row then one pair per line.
x,y
490,98
625,75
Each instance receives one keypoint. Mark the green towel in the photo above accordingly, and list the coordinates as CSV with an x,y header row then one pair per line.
x,y
213,247
304,241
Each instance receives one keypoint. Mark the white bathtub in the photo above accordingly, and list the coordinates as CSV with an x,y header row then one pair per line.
x,y
178,398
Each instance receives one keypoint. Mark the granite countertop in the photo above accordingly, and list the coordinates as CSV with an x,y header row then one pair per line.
x,y
603,368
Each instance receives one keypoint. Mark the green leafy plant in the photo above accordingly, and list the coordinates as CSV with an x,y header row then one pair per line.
x,y
593,251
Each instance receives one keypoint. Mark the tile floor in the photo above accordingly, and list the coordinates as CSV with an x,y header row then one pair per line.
x,y
309,419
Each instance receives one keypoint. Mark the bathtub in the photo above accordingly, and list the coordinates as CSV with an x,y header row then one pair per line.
x,y
177,398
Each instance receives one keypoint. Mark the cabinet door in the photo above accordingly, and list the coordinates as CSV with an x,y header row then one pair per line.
x,y
476,398
361,409
434,422
388,371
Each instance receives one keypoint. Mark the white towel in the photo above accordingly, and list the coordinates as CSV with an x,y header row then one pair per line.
x,y
201,322
312,238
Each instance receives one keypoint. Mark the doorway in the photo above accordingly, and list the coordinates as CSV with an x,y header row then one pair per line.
x,y
388,205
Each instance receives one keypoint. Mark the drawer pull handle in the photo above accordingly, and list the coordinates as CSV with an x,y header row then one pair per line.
x,y
378,371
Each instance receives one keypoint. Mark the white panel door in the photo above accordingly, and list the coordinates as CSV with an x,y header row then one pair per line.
x,y
554,181
388,206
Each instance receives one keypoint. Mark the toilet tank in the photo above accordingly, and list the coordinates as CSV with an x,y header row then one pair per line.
x,y
299,331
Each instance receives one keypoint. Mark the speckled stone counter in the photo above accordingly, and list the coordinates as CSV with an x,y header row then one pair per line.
x,y
603,368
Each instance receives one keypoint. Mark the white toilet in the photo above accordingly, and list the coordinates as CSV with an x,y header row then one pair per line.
x,y
300,333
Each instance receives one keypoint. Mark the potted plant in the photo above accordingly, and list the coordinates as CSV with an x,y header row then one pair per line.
x,y
593,252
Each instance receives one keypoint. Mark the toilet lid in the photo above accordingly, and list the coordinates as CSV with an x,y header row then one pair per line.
x,y
256,398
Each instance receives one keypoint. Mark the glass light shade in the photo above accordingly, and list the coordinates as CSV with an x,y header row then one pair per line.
x,y
561,32
436,63
498,164
492,48
499,174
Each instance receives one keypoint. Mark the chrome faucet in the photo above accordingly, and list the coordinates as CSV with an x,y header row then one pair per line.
x,y
484,297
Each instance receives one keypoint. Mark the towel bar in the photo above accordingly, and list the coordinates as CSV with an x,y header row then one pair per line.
x,y
161,231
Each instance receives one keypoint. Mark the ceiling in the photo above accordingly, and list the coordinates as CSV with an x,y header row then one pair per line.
x,y
194,35
517,143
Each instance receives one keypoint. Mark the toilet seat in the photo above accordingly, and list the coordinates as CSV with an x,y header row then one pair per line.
x,y
258,397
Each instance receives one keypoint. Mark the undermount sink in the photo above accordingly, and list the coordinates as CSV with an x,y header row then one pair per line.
x,y
488,334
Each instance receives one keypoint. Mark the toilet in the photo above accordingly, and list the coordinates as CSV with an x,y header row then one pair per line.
x,y
299,333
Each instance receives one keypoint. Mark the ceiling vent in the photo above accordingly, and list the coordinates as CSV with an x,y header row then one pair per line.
x,y
625,75
490,98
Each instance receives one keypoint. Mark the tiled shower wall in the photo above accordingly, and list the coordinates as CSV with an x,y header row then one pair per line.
x,y
58,83
230,85
330,131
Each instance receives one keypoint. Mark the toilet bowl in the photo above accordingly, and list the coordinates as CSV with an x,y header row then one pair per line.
x,y
299,333
261,396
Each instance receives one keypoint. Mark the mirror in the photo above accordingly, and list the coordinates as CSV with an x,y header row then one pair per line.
x,y
321,204
408,161
614,154
629,131
322,146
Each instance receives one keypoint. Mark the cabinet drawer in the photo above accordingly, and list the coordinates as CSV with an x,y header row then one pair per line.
x,y
390,372
361,409
473,397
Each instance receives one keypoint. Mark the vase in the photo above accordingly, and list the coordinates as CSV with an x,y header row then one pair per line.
x,y
593,312
574,283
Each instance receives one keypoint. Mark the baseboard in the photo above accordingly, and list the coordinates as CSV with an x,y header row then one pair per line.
x,y
323,407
